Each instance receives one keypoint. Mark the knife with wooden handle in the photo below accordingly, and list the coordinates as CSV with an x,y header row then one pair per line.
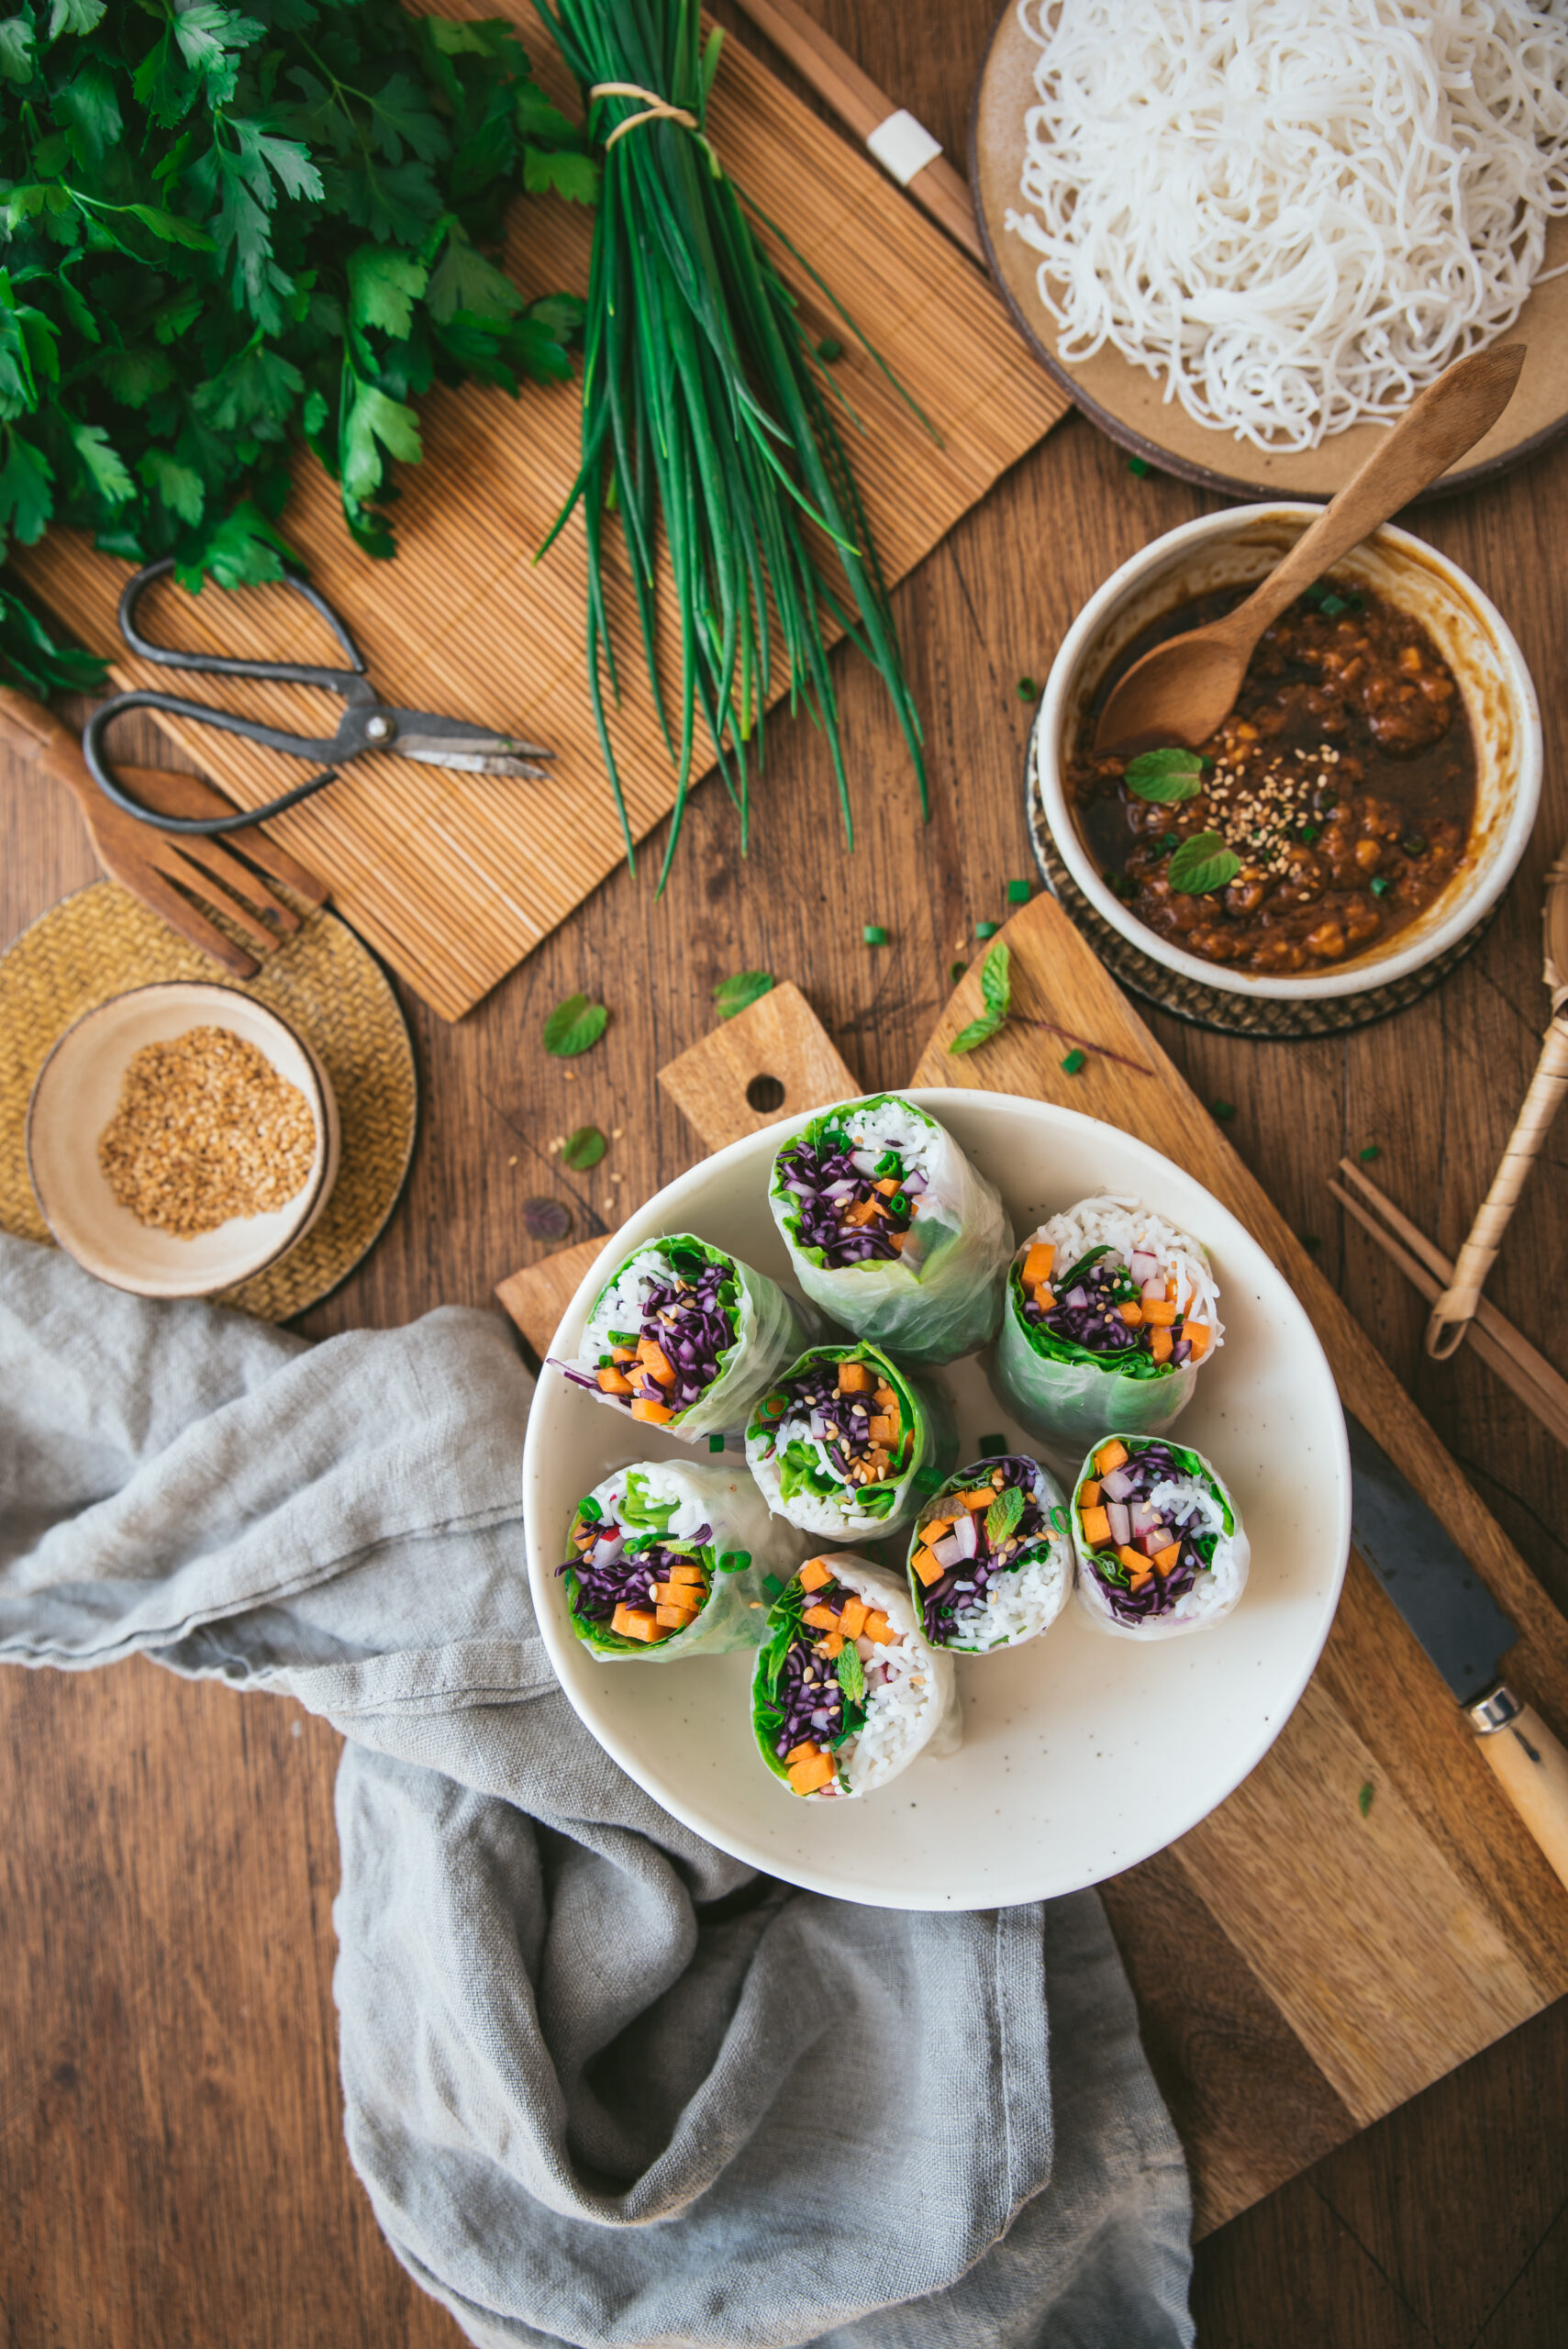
x,y
1465,1633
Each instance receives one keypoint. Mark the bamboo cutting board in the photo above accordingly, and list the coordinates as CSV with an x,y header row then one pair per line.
x,y
1300,1969
454,878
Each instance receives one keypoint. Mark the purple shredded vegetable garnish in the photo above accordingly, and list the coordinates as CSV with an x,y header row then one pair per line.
x,y
828,1182
1142,1471
950,1606
841,1421
1087,1310
693,1323
628,1573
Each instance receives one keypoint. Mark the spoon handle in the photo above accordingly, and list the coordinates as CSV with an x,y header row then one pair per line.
x,y
1447,418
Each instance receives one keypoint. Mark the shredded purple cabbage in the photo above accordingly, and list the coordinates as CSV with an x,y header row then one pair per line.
x,y
826,1183
627,1579
692,1321
845,1419
808,1689
1086,1312
1154,1464
964,1591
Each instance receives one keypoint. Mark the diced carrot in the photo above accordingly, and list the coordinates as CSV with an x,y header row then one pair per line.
x,y
643,1408
800,1752
1110,1455
853,1618
1133,1560
656,1362
686,1570
831,1644
821,1619
863,1211
878,1627
1165,1559
886,1186
882,1430
1044,1296
679,1594
1131,1314
895,1242
1160,1316
929,1569
1160,1345
634,1623
1040,1263
982,1496
1136,1582
675,1619
813,1573
623,1354
1096,1528
615,1382
935,1527
1196,1335
807,1776
1088,1492
885,1399
854,1379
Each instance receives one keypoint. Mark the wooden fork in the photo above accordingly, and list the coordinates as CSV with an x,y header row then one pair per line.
x,y
159,868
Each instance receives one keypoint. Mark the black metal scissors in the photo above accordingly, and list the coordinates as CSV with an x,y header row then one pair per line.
x,y
367,723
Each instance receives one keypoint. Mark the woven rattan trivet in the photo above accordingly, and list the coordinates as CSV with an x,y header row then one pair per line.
x,y
100,941
1264,1018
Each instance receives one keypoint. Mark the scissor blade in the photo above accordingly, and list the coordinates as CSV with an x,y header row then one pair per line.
x,y
455,742
468,758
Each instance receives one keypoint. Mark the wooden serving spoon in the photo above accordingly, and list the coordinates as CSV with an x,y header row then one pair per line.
x,y
1186,687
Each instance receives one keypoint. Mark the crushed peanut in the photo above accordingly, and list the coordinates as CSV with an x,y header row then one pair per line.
x,y
205,1130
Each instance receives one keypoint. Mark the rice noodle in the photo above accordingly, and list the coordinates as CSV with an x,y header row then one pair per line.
x,y
1297,212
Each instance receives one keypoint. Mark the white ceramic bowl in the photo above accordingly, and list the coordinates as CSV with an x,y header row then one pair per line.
x,y
1082,1754
76,1093
1241,544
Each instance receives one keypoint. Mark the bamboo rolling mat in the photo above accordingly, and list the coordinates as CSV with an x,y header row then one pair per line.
x,y
455,878
1302,1965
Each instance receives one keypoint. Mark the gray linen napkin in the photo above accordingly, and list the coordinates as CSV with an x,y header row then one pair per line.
x,y
604,2084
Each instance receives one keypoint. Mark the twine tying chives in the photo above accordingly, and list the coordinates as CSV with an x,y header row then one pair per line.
x,y
655,108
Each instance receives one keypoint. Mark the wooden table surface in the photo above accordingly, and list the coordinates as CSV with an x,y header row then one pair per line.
x,y
171,2160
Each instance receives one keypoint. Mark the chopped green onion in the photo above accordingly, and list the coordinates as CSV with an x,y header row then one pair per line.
x,y
1311,1243
1332,606
1309,833
1371,1150
899,1204
1028,689
987,929
1074,1061
888,1164
771,1584
928,1480
991,1445
874,934
715,1444
1379,885
955,973
1364,1800
830,348
734,1562
1140,467
1018,892
1413,844
1223,1109
589,1510
1059,1519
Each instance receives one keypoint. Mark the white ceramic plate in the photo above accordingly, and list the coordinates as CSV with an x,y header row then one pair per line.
x,y
1082,1753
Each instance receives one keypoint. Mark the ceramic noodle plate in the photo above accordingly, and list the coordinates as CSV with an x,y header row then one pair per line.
x,y
1130,404
1082,1753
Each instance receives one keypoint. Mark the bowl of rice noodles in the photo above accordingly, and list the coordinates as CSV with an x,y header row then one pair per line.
x,y
1224,554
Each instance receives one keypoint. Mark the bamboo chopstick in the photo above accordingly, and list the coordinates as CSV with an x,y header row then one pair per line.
x,y
1540,1388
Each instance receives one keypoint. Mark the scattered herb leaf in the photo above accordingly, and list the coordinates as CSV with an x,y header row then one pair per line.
x,y
546,1218
996,990
1165,776
738,994
573,1026
1364,1800
1004,1514
1202,864
1373,1149
584,1149
1309,833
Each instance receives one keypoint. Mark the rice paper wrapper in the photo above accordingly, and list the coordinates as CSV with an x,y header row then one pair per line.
x,y
941,1297
1069,1403
1216,1591
845,1519
726,1499
917,1711
1024,1600
771,1327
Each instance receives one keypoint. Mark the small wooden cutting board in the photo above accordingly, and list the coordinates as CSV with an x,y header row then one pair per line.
x,y
1302,1965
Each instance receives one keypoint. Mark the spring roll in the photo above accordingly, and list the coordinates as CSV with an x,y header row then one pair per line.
x,y
890,1229
846,1443
990,1563
1160,1547
845,1693
687,1337
667,1558
1111,1311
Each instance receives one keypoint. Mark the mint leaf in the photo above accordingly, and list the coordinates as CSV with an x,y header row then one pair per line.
x,y
573,1026
996,981
1202,864
584,1149
1165,776
851,1672
738,994
979,1031
1004,1514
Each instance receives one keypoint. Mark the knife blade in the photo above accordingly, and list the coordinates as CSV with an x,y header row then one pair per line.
x,y
1463,1630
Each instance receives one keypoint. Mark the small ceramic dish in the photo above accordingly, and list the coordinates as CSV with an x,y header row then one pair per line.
x,y
1239,547
75,1094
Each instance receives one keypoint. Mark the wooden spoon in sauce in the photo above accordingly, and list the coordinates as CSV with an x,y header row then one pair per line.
x,y
1187,687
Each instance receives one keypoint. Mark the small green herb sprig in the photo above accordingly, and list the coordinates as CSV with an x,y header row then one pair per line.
x,y
223,230
996,988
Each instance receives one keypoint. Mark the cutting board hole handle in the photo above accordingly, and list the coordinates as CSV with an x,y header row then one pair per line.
x,y
764,1094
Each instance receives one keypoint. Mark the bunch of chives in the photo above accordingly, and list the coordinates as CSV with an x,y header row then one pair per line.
x,y
705,409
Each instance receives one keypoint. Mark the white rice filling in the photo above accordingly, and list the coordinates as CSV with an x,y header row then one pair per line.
x,y
906,1692
658,1481
1113,1219
1018,1602
1186,1505
894,1124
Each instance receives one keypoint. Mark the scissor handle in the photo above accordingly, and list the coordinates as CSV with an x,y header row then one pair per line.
x,y
219,664
197,713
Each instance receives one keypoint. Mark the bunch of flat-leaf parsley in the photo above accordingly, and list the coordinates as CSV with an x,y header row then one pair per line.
x,y
224,229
